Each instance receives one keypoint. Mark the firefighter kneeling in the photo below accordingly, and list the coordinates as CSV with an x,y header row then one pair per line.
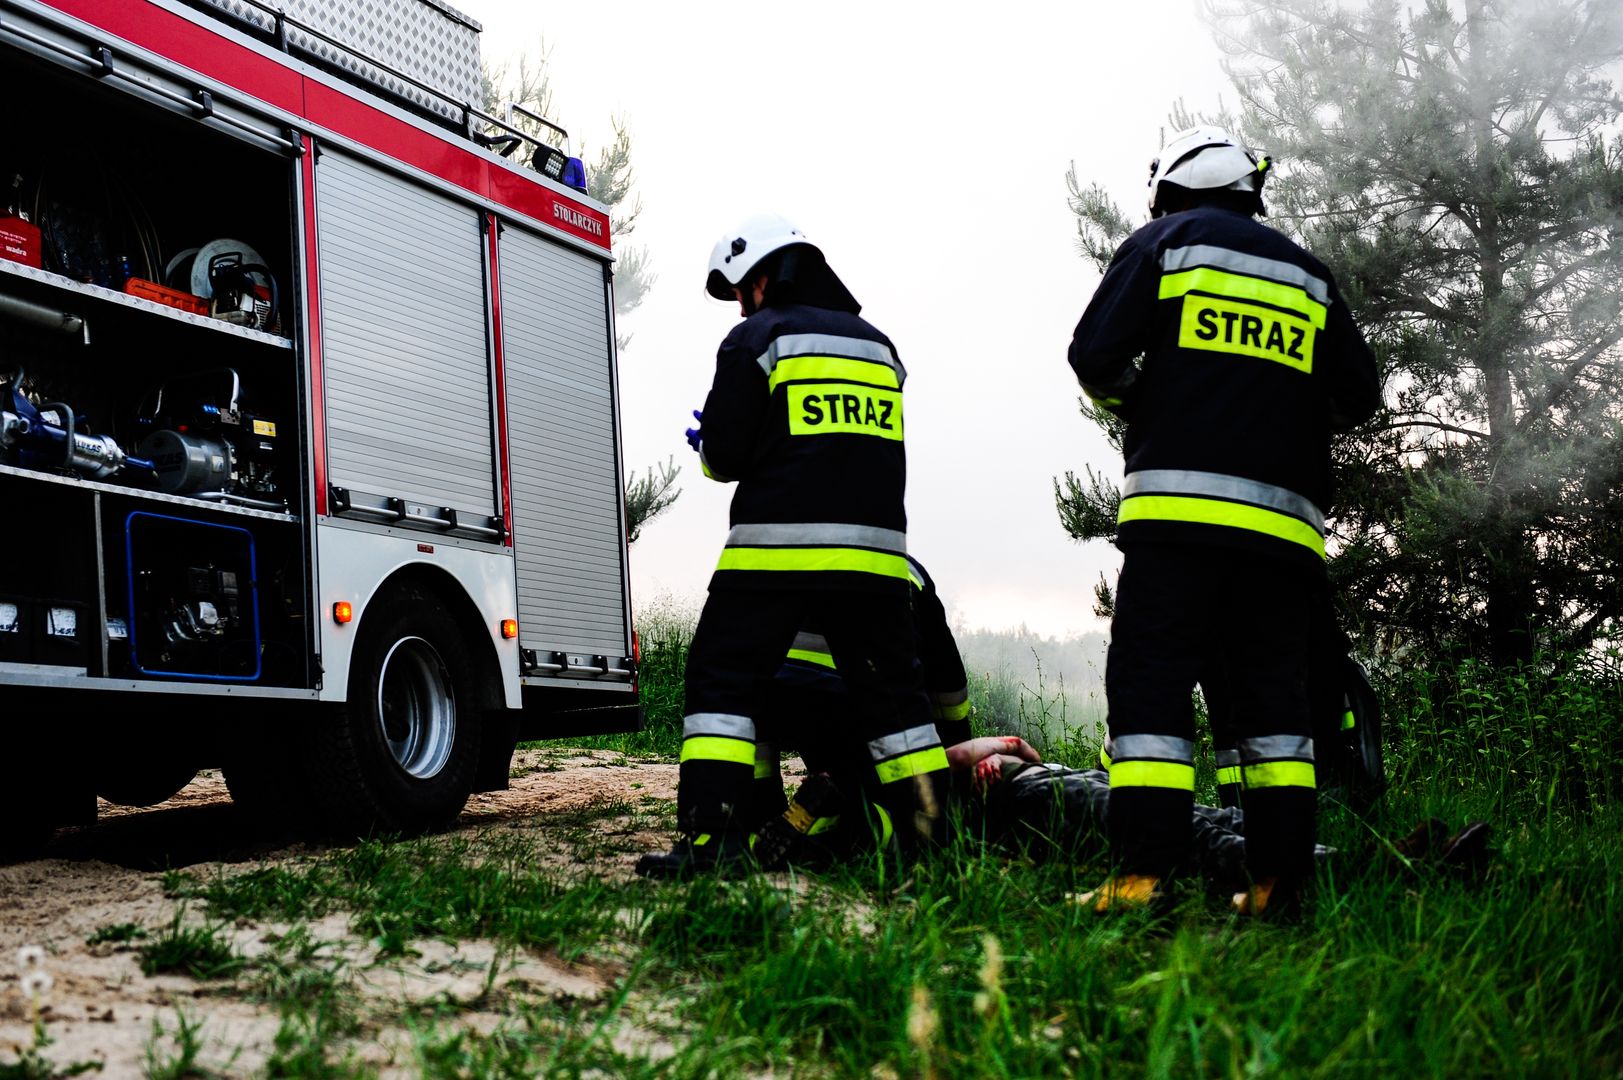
x,y
805,413
1249,358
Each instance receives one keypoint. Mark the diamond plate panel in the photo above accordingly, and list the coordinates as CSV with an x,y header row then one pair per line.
x,y
430,41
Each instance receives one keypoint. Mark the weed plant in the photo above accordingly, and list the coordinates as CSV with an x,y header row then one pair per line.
x,y
184,948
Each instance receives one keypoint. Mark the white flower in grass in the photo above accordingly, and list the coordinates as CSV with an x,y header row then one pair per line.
x,y
37,983
30,957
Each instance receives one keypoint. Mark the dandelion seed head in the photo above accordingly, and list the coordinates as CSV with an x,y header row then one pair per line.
x,y
37,983
30,957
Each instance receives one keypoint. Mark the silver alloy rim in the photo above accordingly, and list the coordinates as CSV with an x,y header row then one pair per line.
x,y
416,707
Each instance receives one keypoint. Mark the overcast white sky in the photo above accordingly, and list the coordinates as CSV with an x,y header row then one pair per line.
x,y
924,148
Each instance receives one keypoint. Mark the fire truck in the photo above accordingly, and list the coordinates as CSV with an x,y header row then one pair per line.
x,y
309,423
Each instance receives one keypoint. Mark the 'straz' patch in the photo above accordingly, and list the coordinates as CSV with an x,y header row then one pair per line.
x,y
1224,326
845,409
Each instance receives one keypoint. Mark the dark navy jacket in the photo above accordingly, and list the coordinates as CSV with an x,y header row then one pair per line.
x,y
805,413
1250,359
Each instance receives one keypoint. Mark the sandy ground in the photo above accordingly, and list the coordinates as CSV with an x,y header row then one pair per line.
x,y
102,1008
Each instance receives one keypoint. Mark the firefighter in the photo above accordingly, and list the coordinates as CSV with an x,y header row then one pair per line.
x,y
805,709
805,415
1249,360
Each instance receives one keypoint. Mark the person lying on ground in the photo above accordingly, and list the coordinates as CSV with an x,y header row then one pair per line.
x,y
1007,796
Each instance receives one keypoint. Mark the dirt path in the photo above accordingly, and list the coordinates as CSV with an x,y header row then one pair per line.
x,y
101,1008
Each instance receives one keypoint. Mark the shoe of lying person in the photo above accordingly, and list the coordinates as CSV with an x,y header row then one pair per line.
x,y
726,854
1423,841
1467,851
1125,893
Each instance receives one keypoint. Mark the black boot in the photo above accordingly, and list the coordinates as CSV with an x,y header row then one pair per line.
x,y
726,854
790,838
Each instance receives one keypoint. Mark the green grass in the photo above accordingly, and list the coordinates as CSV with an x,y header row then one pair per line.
x,y
971,964
186,949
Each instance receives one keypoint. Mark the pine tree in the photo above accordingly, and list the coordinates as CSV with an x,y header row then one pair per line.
x,y
1458,168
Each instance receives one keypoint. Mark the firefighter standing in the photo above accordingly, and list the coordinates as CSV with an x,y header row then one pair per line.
x,y
805,414
1250,358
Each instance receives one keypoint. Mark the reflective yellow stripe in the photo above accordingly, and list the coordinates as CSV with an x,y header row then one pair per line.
x,y
1348,720
933,759
701,840
1158,774
832,367
1229,775
1104,759
817,559
718,748
763,768
951,712
1102,399
1217,512
1279,774
1243,287
807,656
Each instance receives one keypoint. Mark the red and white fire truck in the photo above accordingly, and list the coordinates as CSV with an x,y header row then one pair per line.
x,y
309,447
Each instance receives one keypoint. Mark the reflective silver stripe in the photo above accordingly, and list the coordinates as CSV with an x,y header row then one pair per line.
x,y
915,575
1187,258
904,742
1276,748
951,697
818,534
1150,748
1212,485
829,345
810,643
726,725
1228,759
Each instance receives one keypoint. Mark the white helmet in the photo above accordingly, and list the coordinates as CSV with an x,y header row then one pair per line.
x,y
1206,159
738,252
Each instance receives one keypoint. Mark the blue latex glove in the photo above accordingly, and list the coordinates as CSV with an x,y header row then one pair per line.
x,y
695,434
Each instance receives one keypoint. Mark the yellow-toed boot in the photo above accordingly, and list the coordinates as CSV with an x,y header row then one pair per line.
x,y
1129,892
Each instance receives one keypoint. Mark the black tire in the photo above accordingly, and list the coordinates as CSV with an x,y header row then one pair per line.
x,y
263,767
144,758
385,762
24,834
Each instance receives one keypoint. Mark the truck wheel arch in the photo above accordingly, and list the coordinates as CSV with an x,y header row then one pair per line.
x,y
500,725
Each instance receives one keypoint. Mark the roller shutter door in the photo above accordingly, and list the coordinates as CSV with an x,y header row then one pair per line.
x,y
404,343
567,532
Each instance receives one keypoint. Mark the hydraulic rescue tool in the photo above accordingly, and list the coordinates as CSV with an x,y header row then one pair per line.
x,y
44,436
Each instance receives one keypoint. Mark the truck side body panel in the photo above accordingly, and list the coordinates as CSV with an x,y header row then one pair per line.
x,y
568,531
405,358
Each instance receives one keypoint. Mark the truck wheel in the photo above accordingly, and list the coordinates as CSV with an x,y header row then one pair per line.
x,y
144,760
401,754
